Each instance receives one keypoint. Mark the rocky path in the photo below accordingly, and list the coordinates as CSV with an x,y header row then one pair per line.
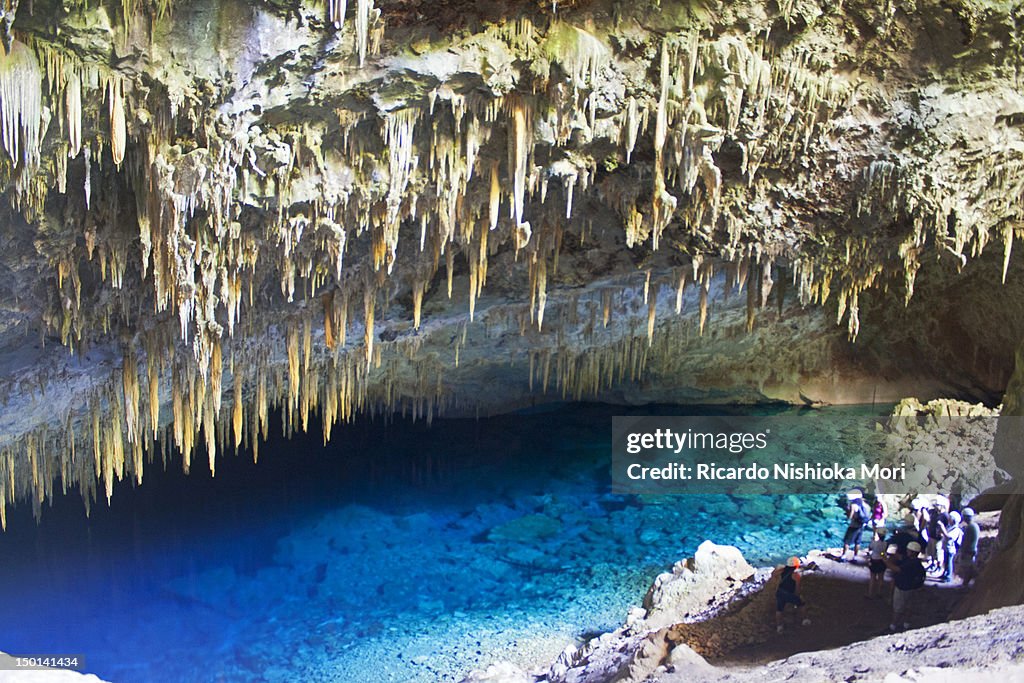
x,y
839,611
713,619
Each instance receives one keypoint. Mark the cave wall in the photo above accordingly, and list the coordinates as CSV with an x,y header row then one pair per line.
x,y
999,584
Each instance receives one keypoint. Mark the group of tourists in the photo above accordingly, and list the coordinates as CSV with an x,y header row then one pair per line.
x,y
931,540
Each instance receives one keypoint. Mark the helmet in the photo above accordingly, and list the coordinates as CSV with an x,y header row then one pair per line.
x,y
954,517
968,512
793,562
914,547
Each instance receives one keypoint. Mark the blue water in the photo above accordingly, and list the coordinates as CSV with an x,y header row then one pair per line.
x,y
397,553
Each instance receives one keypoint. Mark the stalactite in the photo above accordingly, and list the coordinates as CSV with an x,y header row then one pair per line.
x,y
1007,249
542,287
210,433
473,274
153,376
449,261
130,386
21,105
343,320
216,376
327,301
292,342
398,137
307,344
652,310
236,409
632,127
519,146
766,283
364,8
118,127
680,289
703,306
663,204
495,197
336,12
73,110
369,304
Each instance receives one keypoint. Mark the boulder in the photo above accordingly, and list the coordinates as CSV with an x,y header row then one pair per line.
x,y
718,561
685,591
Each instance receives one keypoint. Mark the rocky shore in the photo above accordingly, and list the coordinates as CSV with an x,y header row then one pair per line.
x,y
710,618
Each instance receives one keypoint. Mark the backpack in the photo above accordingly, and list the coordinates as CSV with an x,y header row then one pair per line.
x,y
787,583
860,512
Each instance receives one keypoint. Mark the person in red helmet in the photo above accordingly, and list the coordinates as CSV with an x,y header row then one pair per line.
x,y
788,592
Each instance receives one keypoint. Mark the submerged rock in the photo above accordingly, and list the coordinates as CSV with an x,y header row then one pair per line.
x,y
526,529
502,672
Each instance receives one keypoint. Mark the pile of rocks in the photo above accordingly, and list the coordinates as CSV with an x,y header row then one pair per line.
x,y
694,591
947,447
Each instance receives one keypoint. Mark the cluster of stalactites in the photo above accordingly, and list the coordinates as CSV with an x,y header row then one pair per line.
x,y
452,189
228,405
365,17
431,154
21,104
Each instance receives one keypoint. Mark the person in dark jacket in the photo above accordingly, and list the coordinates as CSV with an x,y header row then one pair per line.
x,y
909,575
788,593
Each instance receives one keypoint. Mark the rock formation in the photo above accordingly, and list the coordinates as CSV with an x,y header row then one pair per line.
x,y
997,586
222,210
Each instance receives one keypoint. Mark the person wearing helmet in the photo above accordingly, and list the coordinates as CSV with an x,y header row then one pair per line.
x,y
909,579
966,561
788,592
951,538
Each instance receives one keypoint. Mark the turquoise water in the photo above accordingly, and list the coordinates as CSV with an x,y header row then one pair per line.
x,y
397,553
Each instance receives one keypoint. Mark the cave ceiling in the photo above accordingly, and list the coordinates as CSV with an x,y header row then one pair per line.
x,y
219,211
